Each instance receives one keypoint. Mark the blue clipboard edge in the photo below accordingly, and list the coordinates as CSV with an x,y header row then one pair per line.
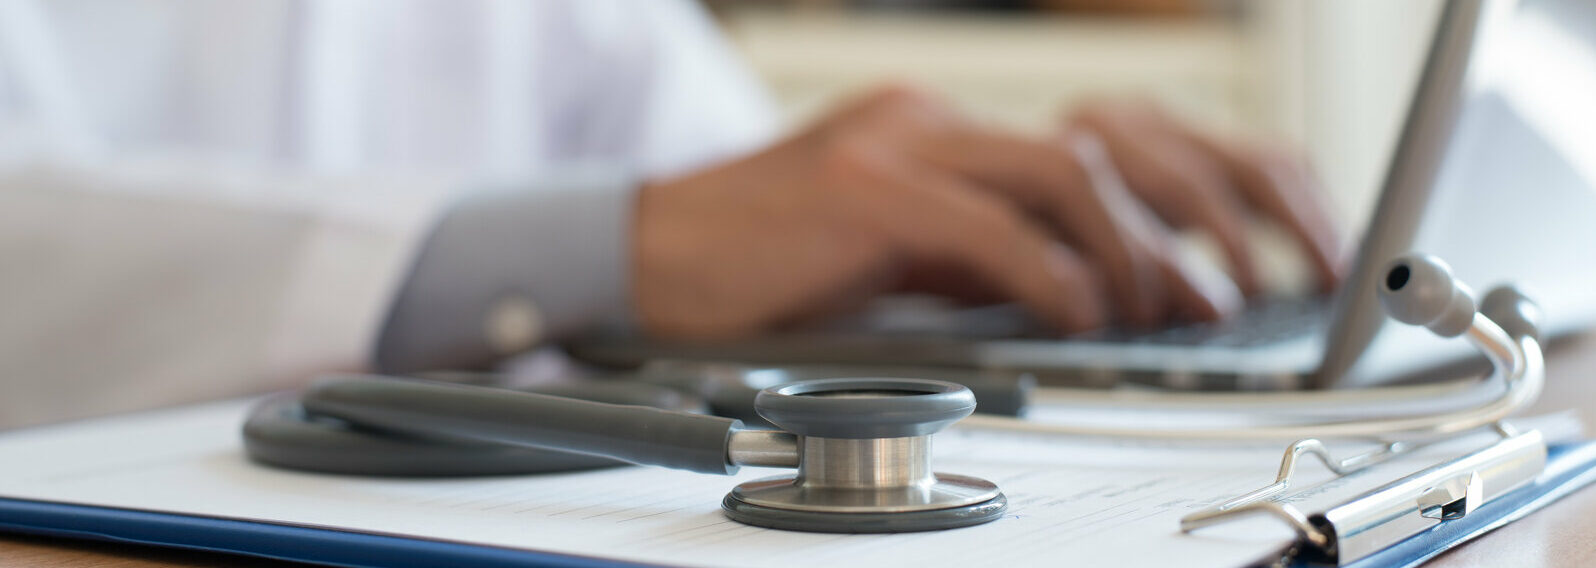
x,y
1569,467
267,540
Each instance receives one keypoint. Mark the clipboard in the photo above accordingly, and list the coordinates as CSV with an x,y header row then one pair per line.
x,y
194,452
1569,467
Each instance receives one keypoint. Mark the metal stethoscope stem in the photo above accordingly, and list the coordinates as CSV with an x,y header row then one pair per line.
x,y
762,448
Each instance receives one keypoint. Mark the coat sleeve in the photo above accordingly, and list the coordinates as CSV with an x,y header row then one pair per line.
x,y
508,269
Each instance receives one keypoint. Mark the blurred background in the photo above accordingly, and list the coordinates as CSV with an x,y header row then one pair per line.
x,y
1329,76
1332,76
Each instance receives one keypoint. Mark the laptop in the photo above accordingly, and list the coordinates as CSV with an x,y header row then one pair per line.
x,y
1495,172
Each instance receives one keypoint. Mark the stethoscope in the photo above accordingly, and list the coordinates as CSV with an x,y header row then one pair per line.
x,y
861,446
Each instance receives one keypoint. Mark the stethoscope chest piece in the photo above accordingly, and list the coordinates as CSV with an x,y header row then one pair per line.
x,y
864,465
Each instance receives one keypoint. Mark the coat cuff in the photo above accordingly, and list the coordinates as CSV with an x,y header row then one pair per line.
x,y
507,269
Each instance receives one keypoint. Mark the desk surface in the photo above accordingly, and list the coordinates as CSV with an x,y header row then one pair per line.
x,y
1559,535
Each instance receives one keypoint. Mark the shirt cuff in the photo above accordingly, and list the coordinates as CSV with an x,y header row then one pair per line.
x,y
505,270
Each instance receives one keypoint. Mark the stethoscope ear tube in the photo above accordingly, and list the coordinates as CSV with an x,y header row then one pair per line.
x,y
1417,290
634,434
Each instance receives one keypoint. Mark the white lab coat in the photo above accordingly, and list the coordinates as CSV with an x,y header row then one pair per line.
x,y
200,199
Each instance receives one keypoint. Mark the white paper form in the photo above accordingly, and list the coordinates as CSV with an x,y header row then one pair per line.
x,y
1071,501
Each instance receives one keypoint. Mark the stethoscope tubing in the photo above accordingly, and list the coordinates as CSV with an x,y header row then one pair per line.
x,y
636,434
1518,364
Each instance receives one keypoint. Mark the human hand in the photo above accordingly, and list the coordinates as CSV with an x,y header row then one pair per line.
x,y
895,191
1195,179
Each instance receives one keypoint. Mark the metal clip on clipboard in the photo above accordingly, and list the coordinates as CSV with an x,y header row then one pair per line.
x,y
1372,521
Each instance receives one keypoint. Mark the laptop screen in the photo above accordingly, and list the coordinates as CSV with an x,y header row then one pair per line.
x,y
1513,196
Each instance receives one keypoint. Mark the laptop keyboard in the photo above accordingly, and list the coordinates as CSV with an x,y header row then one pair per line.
x,y
1264,321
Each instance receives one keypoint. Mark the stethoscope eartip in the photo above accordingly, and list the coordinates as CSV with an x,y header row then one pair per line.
x,y
1419,289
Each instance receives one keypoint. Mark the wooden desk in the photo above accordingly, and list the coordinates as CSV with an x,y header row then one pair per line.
x,y
1563,534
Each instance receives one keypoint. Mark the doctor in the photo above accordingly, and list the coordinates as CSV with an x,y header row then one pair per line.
x,y
204,199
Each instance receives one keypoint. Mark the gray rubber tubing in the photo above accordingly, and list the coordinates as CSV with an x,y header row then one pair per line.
x,y
636,434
